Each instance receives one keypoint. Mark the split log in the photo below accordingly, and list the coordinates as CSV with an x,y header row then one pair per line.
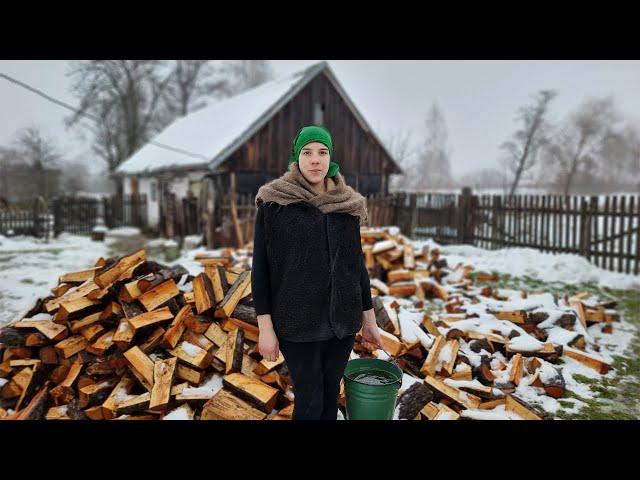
x,y
413,400
153,317
468,400
192,354
226,406
176,328
159,295
260,395
163,374
203,293
119,270
102,344
590,360
233,295
141,366
72,345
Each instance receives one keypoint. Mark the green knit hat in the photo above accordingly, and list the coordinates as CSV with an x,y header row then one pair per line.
x,y
313,133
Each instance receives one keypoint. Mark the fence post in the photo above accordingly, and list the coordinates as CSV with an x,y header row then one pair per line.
x,y
585,228
464,215
495,221
413,199
57,217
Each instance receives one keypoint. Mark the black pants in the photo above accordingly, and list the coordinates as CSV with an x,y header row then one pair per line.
x,y
316,370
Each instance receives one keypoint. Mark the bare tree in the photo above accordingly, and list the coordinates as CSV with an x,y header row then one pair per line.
x,y
399,146
124,96
192,82
242,75
577,146
432,168
42,157
522,150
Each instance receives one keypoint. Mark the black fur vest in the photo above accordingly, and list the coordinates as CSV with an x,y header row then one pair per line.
x,y
308,269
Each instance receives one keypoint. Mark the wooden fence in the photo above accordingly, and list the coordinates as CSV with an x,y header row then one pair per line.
x,y
78,215
36,221
602,229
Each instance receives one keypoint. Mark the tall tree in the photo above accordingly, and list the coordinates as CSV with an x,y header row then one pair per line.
x,y
42,157
433,168
192,83
123,97
577,145
522,150
242,75
399,146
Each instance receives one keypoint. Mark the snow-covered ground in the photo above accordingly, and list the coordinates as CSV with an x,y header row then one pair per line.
x,y
30,267
547,267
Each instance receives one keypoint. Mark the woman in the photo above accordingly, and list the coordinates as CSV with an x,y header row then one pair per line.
x,y
310,284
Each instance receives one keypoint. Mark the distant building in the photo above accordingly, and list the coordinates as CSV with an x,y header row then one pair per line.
x,y
251,134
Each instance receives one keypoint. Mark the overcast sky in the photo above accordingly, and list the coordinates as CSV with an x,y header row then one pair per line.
x,y
479,98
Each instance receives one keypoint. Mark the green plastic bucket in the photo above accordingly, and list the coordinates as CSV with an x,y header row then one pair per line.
x,y
370,402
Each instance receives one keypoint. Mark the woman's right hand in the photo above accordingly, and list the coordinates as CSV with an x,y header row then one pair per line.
x,y
268,344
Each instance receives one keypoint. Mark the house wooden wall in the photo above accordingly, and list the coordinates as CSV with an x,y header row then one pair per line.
x,y
265,155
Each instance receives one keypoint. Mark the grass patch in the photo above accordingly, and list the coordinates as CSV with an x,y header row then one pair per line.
x,y
617,398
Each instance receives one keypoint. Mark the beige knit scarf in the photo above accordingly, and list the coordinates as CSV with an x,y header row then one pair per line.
x,y
292,186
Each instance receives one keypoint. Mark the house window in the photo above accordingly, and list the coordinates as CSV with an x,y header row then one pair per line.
x,y
154,191
133,186
318,113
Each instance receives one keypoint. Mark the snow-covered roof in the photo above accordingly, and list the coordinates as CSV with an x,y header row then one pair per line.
x,y
213,132
206,137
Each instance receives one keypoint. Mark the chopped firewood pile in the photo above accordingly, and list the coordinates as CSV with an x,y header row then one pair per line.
x,y
466,357
133,339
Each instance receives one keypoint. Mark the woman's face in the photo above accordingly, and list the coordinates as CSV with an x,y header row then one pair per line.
x,y
314,161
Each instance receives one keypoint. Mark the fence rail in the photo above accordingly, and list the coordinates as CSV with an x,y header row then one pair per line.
x,y
605,230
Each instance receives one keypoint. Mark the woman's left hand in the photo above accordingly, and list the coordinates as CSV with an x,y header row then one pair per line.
x,y
370,331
